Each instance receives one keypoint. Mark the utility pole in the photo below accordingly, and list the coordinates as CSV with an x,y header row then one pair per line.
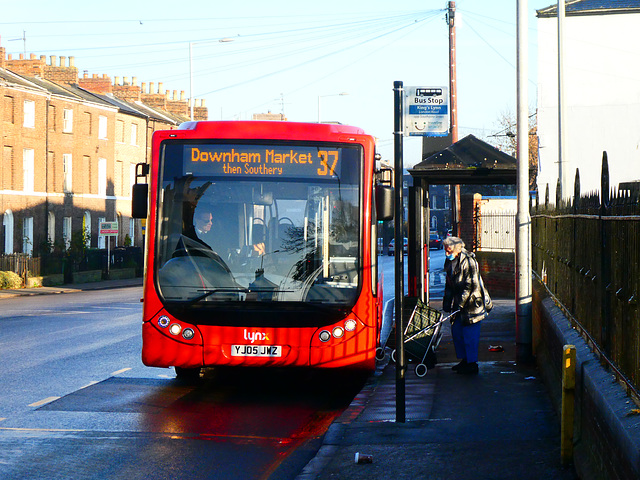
x,y
453,102
451,15
524,339
562,176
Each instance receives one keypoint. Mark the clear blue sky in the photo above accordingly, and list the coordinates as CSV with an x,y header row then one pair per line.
x,y
285,54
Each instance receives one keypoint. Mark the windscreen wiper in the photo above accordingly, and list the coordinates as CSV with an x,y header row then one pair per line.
x,y
208,293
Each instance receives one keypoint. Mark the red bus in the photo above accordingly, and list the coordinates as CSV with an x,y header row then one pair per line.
x,y
261,246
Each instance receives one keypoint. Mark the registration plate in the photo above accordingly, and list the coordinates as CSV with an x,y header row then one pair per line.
x,y
256,350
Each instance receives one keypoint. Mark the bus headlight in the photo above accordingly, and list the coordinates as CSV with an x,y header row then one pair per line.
x,y
338,332
175,329
350,325
164,321
325,336
188,333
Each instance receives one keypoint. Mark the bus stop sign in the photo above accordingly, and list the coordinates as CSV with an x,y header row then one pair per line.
x,y
426,111
109,229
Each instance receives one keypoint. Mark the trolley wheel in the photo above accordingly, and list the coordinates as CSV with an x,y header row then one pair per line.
x,y
393,355
421,370
188,374
380,354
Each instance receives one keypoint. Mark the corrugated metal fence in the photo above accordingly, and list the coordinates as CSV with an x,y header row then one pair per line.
x,y
496,231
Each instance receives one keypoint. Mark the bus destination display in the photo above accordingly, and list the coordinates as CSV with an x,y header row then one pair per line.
x,y
262,161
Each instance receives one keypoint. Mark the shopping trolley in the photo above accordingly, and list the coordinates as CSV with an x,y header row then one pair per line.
x,y
422,336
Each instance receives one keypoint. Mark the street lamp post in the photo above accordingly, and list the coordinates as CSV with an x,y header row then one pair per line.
x,y
341,94
191,44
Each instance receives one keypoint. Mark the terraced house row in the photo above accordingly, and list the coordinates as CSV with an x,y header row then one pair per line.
x,y
69,149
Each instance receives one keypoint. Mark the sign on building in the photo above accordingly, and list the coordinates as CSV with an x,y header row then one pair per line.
x,y
426,111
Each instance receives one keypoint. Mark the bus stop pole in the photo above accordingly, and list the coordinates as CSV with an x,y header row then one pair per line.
x,y
399,249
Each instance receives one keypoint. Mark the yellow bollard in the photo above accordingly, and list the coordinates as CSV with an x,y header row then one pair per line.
x,y
568,401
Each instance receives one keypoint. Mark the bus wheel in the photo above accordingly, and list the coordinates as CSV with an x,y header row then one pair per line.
x,y
380,354
188,374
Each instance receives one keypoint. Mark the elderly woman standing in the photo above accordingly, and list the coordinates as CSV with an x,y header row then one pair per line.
x,y
464,291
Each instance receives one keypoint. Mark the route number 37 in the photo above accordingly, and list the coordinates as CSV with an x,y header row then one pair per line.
x,y
328,162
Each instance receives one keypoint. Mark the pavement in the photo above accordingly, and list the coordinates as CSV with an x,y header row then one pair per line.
x,y
70,288
499,424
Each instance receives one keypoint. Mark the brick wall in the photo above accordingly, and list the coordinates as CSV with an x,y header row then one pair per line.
x,y
96,84
64,72
498,272
606,441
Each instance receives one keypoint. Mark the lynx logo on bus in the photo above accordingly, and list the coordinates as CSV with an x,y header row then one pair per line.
x,y
261,160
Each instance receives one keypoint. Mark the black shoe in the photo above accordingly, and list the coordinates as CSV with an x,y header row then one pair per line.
x,y
457,367
468,369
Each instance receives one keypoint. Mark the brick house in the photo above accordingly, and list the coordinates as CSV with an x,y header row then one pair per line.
x,y
70,146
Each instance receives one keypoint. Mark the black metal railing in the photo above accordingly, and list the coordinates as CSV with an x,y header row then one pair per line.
x,y
66,262
587,253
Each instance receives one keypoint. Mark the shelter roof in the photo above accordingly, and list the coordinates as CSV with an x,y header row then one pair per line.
x,y
468,161
592,7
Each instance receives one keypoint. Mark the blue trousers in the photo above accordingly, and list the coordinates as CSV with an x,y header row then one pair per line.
x,y
466,340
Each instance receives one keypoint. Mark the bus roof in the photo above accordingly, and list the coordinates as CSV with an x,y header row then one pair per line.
x,y
269,129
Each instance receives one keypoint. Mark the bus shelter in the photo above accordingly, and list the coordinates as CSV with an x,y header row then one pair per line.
x,y
469,161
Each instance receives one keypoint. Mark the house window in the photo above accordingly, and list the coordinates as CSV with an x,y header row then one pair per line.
x,y
52,118
102,177
51,228
132,230
8,109
87,123
86,228
66,231
120,225
27,235
101,238
7,223
67,120
29,114
86,165
118,180
102,127
27,169
7,168
119,131
66,173
134,134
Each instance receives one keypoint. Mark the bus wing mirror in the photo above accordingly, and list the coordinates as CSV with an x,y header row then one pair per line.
x,y
385,204
139,195
140,192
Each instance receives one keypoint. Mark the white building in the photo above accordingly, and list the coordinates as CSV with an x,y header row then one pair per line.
x,y
601,90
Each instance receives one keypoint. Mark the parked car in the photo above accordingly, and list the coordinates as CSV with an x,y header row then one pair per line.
x,y
435,241
392,246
